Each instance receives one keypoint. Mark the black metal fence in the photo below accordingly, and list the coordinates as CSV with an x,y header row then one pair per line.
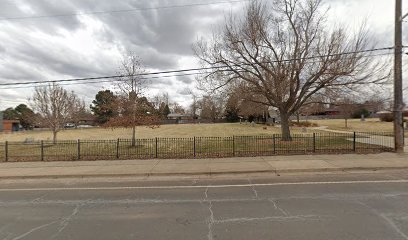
x,y
197,147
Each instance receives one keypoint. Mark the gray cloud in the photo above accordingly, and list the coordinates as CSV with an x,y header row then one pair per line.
x,y
92,45
185,91
185,79
2,49
38,8
170,31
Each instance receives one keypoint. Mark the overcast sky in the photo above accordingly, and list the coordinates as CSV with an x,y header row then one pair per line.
x,y
91,45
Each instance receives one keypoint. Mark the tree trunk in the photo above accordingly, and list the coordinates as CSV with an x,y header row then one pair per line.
x,y
54,136
133,136
134,124
285,127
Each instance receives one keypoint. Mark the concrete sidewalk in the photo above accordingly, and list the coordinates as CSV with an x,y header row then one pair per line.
x,y
174,167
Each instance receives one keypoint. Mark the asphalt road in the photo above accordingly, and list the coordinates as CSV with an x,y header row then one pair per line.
x,y
339,206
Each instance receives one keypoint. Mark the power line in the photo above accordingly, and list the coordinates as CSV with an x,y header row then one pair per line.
x,y
89,79
104,81
122,10
100,78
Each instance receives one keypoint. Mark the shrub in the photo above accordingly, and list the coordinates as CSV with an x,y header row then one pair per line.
x,y
386,117
304,124
358,113
389,117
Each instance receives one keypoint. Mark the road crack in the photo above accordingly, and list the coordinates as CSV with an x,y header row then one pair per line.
x,y
253,189
276,218
66,220
211,221
386,219
39,198
278,208
34,230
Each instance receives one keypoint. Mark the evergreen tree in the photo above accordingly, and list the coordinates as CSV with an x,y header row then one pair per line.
x,y
104,106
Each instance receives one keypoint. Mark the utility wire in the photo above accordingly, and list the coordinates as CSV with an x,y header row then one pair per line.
x,y
89,79
122,10
106,81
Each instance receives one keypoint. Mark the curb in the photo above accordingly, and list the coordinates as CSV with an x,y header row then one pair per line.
x,y
275,172
339,169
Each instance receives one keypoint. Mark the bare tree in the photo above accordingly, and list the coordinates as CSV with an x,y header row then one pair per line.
x,y
211,107
193,108
283,53
55,105
376,103
160,98
244,101
346,108
78,110
133,113
177,108
134,109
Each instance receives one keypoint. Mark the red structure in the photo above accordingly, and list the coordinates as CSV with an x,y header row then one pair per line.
x,y
11,125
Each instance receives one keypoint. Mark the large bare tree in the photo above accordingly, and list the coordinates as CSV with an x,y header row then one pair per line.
x,y
55,105
283,53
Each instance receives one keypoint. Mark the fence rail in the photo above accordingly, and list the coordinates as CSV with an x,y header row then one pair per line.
x,y
197,147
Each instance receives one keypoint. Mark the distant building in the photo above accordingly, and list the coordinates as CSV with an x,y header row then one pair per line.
x,y
180,118
87,120
331,111
9,125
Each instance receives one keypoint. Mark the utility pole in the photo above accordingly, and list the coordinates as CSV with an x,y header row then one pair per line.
x,y
398,98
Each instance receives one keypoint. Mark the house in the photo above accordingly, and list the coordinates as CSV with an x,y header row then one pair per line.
x,y
87,120
9,125
331,111
180,118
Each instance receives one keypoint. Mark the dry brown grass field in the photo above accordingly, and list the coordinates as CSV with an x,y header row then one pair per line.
x,y
195,130
164,131
370,125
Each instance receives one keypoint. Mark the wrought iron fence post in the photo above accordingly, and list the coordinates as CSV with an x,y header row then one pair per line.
x,y
6,151
156,148
79,149
354,141
274,144
233,146
194,145
42,150
314,142
117,148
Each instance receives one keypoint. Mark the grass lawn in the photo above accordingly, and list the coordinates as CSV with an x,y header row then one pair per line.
x,y
164,131
370,125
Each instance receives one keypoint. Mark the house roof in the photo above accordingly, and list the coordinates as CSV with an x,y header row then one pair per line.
x,y
179,115
11,121
384,112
